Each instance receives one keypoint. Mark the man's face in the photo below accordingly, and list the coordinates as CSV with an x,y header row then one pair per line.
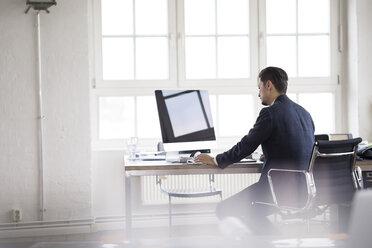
x,y
263,93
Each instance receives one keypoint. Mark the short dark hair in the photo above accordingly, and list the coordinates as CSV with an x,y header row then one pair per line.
x,y
277,76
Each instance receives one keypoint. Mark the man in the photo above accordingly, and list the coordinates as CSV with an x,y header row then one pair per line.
x,y
285,131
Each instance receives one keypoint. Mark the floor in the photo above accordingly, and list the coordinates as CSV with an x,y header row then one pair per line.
x,y
107,239
294,234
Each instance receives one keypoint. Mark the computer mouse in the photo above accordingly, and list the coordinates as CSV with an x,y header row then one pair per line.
x,y
196,154
192,157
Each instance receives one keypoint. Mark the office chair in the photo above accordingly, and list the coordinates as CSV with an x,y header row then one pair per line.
x,y
342,136
210,190
331,179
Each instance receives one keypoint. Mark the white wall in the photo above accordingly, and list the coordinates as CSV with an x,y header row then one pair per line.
x,y
358,90
65,75
108,183
364,21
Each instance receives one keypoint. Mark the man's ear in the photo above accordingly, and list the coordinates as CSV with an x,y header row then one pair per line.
x,y
269,84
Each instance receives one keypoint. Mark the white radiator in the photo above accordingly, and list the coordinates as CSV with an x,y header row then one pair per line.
x,y
229,183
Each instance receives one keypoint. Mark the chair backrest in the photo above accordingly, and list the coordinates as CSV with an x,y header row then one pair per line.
x,y
332,164
321,137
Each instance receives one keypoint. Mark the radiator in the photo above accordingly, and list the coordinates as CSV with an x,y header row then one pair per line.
x,y
229,183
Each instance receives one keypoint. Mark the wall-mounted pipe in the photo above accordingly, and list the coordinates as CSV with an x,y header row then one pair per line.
x,y
41,120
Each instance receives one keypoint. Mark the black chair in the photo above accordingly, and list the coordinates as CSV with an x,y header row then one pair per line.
x,y
331,179
341,136
209,190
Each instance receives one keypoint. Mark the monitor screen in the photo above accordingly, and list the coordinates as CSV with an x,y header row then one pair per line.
x,y
185,119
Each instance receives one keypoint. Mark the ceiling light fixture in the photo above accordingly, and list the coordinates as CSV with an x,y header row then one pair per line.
x,y
40,5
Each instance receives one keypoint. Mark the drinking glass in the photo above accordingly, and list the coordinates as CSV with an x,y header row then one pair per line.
x,y
132,147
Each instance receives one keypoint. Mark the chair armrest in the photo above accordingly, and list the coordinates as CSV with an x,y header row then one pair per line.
x,y
310,187
359,177
185,192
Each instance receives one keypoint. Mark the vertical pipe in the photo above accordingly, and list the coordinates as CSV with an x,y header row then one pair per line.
x,y
41,118
340,28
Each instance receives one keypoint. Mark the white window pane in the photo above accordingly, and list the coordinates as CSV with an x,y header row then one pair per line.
x,y
233,17
234,123
117,58
313,16
313,56
200,56
200,17
147,118
152,58
116,117
233,57
117,17
321,106
281,52
151,17
280,16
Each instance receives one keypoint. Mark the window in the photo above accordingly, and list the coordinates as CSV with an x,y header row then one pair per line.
x,y
134,41
321,106
121,117
116,115
298,36
228,114
322,110
216,39
218,45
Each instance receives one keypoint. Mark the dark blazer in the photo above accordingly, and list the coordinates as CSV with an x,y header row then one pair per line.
x,y
285,130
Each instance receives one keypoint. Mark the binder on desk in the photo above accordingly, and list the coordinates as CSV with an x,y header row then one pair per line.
x,y
151,156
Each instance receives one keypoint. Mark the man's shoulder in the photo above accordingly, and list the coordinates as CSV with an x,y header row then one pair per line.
x,y
265,112
284,105
283,101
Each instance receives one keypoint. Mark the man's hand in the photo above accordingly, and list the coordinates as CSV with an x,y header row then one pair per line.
x,y
262,157
205,159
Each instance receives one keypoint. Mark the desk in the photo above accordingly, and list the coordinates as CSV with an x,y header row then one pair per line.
x,y
161,167
366,166
152,168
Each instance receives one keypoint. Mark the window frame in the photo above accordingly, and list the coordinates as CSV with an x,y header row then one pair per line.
x,y
177,79
172,56
252,80
334,43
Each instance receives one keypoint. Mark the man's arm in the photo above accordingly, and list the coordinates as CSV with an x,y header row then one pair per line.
x,y
260,132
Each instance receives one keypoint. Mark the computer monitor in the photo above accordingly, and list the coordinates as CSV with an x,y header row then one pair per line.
x,y
185,120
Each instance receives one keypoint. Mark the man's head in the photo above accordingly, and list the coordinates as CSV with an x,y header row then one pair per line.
x,y
272,83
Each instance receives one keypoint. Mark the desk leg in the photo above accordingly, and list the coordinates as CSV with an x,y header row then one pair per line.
x,y
128,208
